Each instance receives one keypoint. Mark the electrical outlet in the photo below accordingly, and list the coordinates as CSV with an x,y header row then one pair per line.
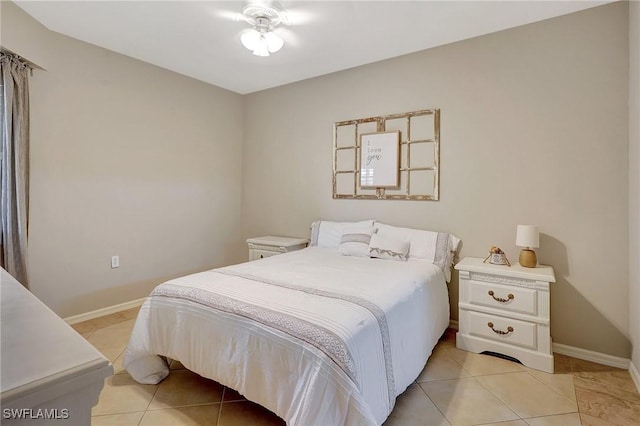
x,y
115,262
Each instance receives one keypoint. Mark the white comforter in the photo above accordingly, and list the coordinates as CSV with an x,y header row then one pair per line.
x,y
340,336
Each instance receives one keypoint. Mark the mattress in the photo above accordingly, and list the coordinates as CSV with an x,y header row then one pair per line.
x,y
316,337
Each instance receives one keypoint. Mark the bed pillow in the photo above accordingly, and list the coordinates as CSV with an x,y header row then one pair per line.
x,y
355,241
438,248
388,247
325,233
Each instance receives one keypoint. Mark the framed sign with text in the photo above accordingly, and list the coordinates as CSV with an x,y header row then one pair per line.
x,y
380,160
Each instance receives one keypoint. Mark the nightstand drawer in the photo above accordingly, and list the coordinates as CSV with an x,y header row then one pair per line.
x,y
255,254
268,246
507,298
501,329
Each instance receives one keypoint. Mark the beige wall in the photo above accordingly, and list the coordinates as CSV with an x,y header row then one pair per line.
x,y
534,131
126,159
20,33
634,182
132,160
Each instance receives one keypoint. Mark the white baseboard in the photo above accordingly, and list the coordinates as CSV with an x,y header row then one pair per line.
x,y
587,355
635,375
584,354
104,311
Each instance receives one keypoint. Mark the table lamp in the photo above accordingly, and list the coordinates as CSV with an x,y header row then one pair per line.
x,y
528,236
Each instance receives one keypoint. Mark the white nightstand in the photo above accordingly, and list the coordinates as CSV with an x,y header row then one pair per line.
x,y
262,247
505,310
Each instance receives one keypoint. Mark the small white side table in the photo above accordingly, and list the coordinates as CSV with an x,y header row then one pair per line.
x,y
505,310
262,247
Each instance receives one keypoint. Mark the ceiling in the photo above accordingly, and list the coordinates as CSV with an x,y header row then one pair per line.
x,y
201,39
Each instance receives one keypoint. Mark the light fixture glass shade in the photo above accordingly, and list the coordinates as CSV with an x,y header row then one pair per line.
x,y
261,43
261,48
527,236
250,38
274,43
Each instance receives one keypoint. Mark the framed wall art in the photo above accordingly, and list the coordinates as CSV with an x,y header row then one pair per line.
x,y
364,151
380,160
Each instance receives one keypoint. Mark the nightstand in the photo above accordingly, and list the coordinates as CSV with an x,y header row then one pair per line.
x,y
262,247
505,310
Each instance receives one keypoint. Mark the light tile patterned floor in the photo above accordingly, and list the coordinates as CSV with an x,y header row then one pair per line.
x,y
455,388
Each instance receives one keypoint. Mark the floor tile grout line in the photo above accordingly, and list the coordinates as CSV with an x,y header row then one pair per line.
x,y
460,364
197,404
115,414
434,404
573,386
552,389
473,376
152,397
496,396
571,373
515,412
548,415
224,391
176,408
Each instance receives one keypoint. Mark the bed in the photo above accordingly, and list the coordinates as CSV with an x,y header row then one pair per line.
x,y
326,335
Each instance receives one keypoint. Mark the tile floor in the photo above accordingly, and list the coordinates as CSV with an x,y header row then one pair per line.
x,y
455,388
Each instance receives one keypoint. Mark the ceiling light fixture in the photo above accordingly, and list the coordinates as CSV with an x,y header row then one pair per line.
x,y
261,39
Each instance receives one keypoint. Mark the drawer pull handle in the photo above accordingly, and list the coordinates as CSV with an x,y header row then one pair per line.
x,y
500,299
500,332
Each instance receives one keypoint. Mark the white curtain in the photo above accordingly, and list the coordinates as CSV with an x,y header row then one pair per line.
x,y
14,165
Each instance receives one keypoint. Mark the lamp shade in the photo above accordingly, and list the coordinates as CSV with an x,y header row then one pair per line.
x,y
527,236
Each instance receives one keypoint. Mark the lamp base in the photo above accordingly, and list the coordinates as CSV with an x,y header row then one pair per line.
x,y
528,258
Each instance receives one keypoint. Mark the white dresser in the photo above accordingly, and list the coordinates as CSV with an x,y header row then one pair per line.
x,y
506,310
261,247
50,375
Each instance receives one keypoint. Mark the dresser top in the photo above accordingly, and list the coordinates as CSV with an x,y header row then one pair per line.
x,y
539,273
270,240
38,347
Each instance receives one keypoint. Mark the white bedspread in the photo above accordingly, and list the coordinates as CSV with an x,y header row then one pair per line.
x,y
340,336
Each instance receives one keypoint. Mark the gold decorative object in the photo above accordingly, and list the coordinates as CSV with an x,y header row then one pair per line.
x,y
527,236
419,156
528,258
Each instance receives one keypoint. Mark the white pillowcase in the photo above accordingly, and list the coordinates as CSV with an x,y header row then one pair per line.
x,y
422,243
388,247
326,233
355,241
435,247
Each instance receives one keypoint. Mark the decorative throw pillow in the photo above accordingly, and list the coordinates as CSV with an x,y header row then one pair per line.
x,y
438,248
326,233
422,242
388,247
355,241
